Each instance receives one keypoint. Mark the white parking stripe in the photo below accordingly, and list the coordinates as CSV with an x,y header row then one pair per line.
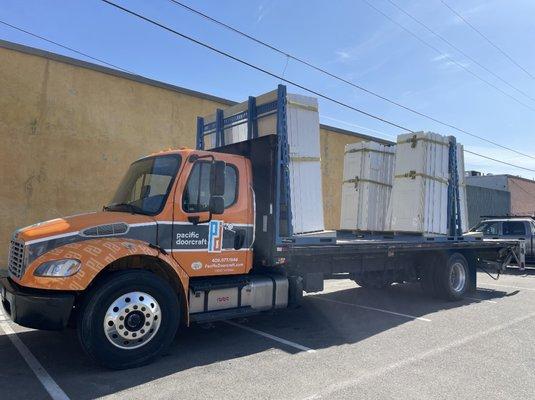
x,y
483,300
272,337
46,380
508,286
330,390
371,308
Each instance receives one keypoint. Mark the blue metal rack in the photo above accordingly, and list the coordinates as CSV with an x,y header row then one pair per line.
x,y
454,201
251,116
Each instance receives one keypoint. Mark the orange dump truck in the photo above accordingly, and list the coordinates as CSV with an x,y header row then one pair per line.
x,y
194,235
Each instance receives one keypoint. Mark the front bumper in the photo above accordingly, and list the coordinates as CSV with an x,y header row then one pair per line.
x,y
38,309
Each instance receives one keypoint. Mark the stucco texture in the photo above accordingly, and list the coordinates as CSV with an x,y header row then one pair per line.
x,y
68,133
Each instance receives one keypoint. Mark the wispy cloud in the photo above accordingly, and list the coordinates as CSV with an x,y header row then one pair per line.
x,y
441,57
471,12
446,61
260,13
342,55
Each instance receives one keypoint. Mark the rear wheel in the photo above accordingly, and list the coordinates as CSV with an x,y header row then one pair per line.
x,y
129,319
453,279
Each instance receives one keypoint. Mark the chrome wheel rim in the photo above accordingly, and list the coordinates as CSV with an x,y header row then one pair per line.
x,y
457,277
132,320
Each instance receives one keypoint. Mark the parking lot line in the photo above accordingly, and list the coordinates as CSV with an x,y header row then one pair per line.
x,y
372,309
329,391
272,337
46,380
483,300
508,286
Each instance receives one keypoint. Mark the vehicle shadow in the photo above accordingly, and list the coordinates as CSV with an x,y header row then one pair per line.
x,y
319,323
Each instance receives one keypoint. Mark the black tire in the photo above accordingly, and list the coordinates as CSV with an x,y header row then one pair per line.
x,y
92,316
453,278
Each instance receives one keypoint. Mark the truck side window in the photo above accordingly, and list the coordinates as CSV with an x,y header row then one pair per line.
x,y
514,228
197,192
487,228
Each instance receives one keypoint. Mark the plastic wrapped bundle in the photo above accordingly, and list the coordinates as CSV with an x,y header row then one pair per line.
x,y
419,200
302,123
368,171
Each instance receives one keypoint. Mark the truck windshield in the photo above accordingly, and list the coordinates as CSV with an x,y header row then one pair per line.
x,y
487,228
146,185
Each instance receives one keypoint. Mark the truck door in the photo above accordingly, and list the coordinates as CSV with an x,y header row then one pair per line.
x,y
519,230
218,244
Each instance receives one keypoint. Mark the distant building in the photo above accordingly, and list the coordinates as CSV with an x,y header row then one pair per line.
x,y
498,195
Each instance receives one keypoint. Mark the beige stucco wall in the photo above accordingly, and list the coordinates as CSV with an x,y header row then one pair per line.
x,y
68,133
332,164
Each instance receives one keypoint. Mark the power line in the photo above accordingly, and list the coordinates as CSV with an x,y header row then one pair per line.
x,y
275,75
441,53
449,43
498,161
337,77
65,47
241,61
488,40
107,63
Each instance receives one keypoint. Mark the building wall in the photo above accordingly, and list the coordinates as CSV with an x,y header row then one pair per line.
x,y
522,196
332,146
69,132
497,182
522,190
484,202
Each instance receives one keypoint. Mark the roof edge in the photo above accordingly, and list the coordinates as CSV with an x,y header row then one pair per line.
x,y
109,71
152,82
357,134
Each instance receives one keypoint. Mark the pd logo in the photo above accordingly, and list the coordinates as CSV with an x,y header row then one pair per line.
x,y
215,236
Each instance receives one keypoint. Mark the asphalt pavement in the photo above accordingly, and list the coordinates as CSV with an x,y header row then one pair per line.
x,y
344,343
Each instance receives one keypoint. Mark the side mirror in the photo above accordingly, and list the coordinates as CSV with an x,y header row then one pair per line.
x,y
217,205
217,178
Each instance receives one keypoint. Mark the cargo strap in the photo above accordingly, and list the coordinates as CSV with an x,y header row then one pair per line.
x,y
356,181
295,158
414,174
414,140
369,151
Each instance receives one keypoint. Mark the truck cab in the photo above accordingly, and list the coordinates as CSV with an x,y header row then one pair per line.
x,y
176,219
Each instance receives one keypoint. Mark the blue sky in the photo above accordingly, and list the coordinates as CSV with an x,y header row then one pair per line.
x,y
346,37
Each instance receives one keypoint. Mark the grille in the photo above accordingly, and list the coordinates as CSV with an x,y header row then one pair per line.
x,y
16,259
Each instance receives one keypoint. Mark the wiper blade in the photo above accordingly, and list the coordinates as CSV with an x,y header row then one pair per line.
x,y
132,208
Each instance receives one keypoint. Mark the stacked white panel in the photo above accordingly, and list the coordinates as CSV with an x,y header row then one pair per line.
x,y
366,188
419,199
304,146
305,167
462,188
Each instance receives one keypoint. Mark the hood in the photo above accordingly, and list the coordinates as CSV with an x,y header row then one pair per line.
x,y
78,224
473,234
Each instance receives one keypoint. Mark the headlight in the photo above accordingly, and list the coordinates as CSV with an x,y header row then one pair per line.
x,y
58,268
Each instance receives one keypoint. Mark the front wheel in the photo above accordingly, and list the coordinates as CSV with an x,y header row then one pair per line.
x,y
129,319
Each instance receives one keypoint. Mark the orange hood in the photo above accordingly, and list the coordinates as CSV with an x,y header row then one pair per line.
x,y
76,223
